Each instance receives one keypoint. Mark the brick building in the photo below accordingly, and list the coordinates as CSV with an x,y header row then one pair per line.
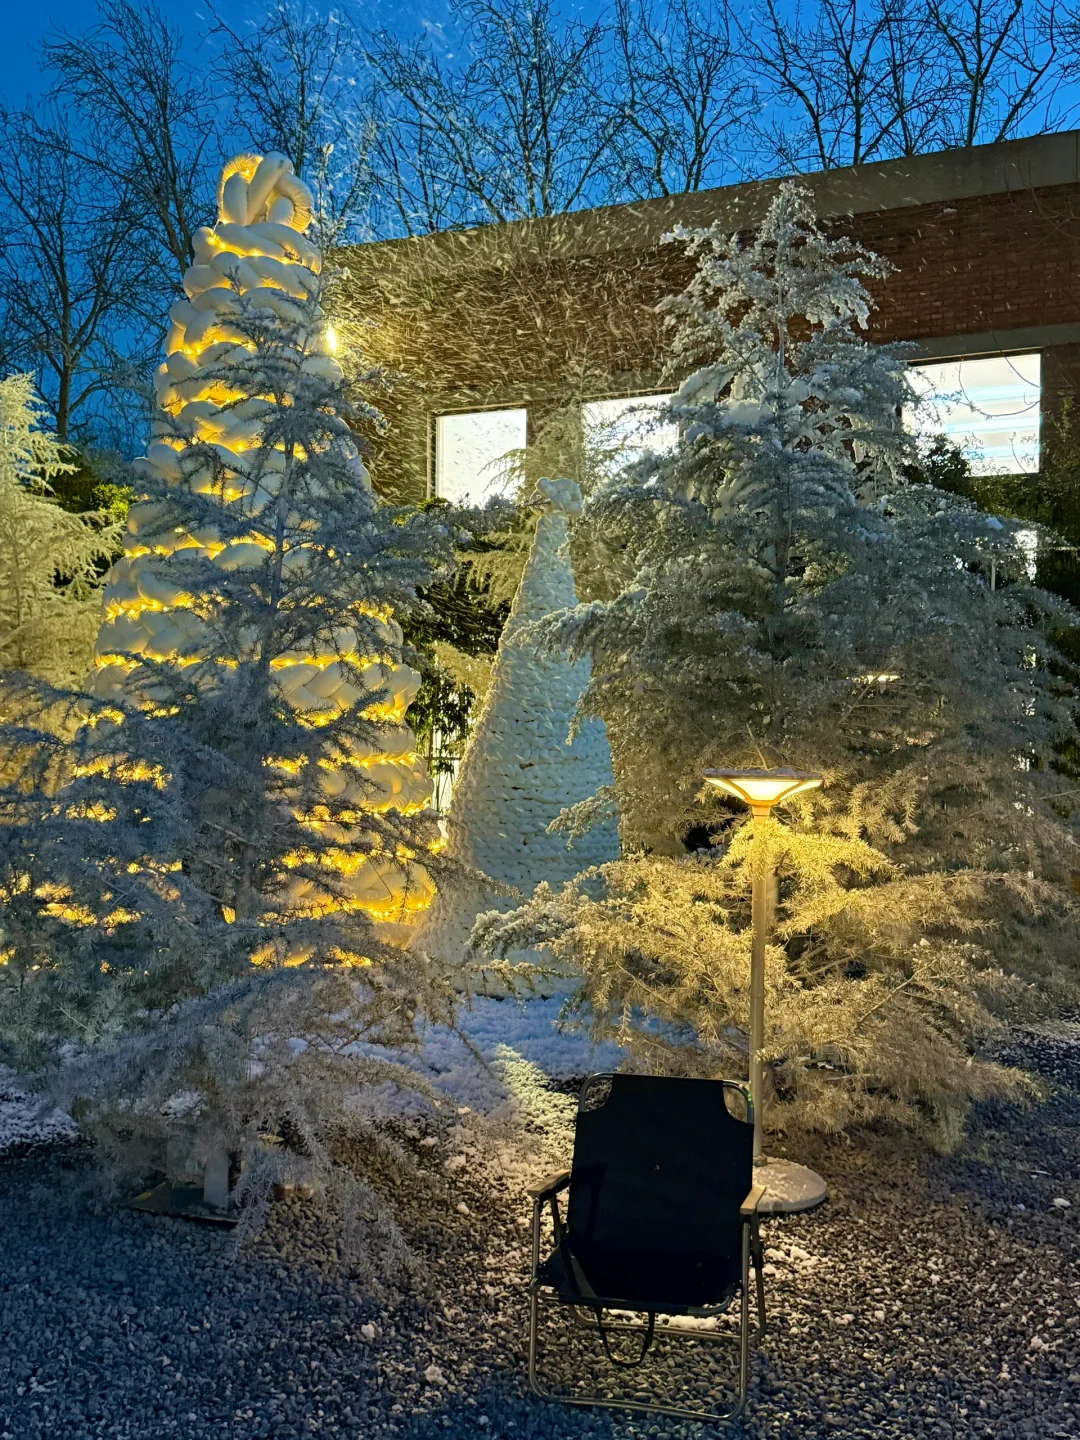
x,y
494,326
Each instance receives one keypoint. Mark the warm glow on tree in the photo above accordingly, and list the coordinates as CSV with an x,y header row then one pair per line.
x,y
210,441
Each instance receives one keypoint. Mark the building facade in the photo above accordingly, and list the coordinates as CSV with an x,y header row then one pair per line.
x,y
489,330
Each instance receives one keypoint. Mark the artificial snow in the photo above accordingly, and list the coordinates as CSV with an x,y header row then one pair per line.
x,y
521,768
23,1122
528,1029
504,1032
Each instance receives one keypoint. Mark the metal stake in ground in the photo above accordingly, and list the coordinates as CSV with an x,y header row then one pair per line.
x,y
789,1187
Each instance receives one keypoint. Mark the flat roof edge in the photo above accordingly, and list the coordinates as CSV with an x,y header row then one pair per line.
x,y
1035,163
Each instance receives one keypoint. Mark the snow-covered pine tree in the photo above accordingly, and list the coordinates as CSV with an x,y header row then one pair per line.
x,y
216,907
50,559
793,601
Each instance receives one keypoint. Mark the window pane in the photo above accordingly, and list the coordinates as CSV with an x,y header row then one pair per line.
x,y
620,431
470,451
990,408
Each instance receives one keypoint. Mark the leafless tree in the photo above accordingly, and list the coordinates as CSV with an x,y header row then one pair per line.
x,y
293,81
514,130
77,300
850,81
146,117
1004,62
834,85
679,94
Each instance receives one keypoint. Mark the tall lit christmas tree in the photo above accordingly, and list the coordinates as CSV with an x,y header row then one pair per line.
x,y
215,910
238,567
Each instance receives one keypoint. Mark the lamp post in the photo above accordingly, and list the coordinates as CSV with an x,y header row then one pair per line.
x,y
789,1187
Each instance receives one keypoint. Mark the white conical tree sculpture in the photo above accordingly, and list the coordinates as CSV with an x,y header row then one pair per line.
x,y
521,769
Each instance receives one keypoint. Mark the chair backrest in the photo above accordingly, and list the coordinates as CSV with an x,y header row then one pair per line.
x,y
661,1166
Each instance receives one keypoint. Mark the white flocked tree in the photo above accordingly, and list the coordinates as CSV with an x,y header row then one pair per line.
x,y
50,559
794,599
212,919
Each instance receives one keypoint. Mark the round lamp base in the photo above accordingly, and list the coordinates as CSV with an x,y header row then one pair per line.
x,y
789,1188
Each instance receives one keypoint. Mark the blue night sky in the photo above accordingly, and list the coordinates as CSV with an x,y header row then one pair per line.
x,y
26,25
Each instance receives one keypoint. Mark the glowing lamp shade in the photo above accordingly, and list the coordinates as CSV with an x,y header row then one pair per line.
x,y
762,789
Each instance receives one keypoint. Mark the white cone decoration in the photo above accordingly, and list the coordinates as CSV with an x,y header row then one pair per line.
x,y
257,245
518,771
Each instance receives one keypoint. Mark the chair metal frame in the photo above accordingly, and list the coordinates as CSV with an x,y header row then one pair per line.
x,y
547,1191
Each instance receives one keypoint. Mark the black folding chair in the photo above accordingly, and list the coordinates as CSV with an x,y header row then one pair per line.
x,y
661,1221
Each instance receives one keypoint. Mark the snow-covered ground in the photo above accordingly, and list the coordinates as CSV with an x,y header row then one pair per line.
x,y
22,1122
933,1298
493,1026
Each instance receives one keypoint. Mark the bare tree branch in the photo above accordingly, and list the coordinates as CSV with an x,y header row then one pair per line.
x,y
1004,66
293,80
80,300
147,117
850,81
680,94
511,132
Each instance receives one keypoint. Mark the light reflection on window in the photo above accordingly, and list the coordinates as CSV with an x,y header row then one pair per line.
x,y
619,431
989,407
470,454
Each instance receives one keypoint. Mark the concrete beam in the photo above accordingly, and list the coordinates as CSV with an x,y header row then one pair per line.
x,y
996,342
1039,162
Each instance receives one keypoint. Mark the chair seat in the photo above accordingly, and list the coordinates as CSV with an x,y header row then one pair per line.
x,y
655,1281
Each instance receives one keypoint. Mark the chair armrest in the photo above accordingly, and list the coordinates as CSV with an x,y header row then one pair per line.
x,y
752,1201
550,1185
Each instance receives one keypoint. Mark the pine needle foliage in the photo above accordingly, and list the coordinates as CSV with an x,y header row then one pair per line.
x,y
794,599
50,559
180,918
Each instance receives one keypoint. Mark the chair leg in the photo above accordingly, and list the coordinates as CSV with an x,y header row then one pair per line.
x,y
534,1322
534,1305
744,1321
760,1286
676,1412
757,1256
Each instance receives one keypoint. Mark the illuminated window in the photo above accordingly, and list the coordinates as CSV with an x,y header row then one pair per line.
x,y
990,408
619,431
470,454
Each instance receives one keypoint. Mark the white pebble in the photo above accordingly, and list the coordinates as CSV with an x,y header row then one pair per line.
x,y
1061,1202
434,1376
368,1332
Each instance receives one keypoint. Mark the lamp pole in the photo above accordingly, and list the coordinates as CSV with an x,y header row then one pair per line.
x,y
761,921
788,1187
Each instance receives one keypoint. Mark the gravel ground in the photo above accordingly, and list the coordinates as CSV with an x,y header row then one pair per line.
x,y
932,1297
